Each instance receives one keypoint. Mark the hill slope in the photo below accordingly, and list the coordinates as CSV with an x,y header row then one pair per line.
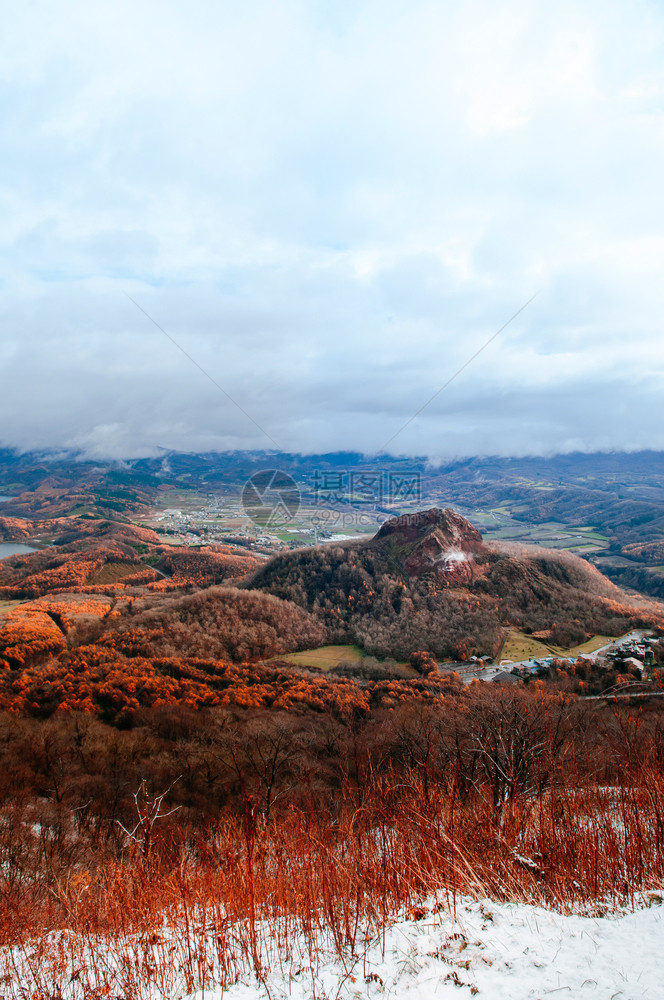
x,y
94,639
429,581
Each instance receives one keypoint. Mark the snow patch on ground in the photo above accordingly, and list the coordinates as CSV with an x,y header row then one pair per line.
x,y
497,951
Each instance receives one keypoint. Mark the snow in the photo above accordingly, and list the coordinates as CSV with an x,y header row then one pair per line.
x,y
496,951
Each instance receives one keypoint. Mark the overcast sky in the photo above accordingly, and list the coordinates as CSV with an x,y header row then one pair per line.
x,y
331,205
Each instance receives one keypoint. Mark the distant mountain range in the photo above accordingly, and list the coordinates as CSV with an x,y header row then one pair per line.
x,y
616,498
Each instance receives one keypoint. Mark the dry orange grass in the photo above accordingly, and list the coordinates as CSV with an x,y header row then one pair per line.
x,y
197,909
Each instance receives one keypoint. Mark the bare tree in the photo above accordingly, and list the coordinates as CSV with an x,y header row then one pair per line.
x,y
149,810
517,742
262,755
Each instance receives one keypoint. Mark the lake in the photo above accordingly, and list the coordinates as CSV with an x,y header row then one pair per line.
x,y
4,499
14,549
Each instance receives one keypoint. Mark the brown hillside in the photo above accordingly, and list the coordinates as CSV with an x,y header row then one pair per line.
x,y
428,582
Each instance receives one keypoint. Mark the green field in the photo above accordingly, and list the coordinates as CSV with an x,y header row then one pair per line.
x,y
499,523
596,642
328,657
521,647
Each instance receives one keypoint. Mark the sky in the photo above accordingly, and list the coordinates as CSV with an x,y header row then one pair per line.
x,y
331,206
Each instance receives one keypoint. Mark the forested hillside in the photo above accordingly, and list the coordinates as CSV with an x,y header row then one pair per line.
x,y
110,620
429,583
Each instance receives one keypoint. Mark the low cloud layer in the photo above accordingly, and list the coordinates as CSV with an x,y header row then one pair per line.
x,y
331,208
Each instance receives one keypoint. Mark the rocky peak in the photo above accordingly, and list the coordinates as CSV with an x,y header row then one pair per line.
x,y
435,541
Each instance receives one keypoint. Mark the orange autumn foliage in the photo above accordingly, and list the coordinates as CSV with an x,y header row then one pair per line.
x,y
28,633
201,567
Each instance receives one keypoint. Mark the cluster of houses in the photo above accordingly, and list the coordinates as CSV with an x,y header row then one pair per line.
x,y
512,673
636,653
633,652
533,668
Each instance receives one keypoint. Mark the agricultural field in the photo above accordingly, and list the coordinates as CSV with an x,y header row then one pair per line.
x,y
519,646
589,646
498,524
522,647
326,658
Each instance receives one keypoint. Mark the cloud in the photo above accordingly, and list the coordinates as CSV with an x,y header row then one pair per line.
x,y
331,208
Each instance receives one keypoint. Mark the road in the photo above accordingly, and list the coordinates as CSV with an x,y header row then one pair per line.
x,y
469,671
602,651
616,697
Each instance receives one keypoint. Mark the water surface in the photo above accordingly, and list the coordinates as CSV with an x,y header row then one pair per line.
x,y
14,549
